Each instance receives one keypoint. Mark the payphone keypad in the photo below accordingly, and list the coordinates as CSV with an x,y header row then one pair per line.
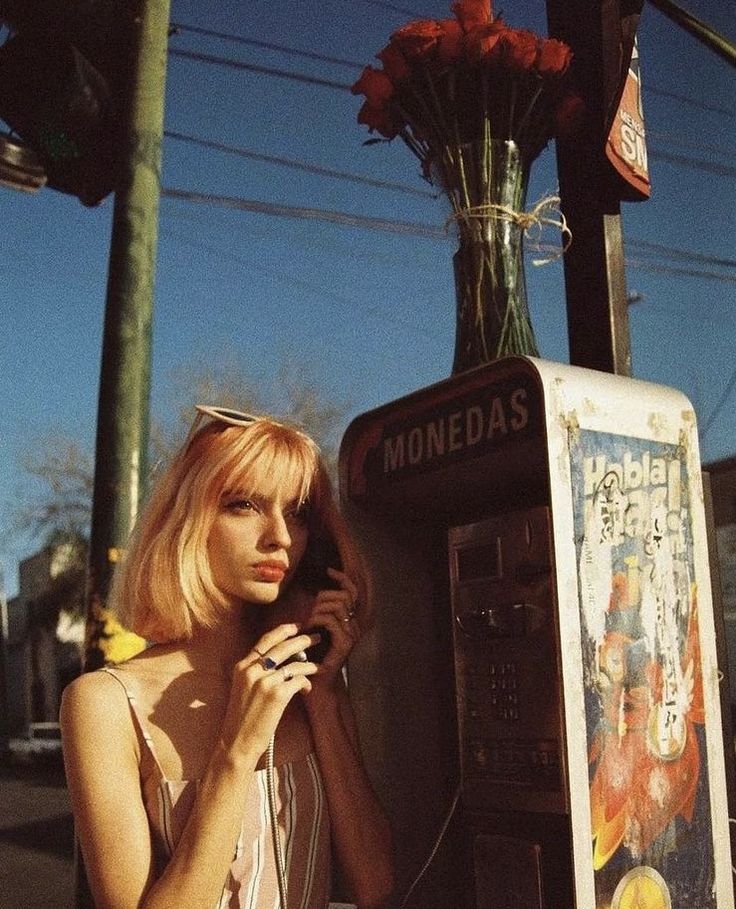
x,y
506,661
501,687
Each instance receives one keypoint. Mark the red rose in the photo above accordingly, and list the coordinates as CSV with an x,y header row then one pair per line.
x,y
394,63
482,42
518,48
450,48
471,13
569,114
375,85
379,119
417,38
554,57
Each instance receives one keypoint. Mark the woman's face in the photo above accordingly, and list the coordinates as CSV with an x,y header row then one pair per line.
x,y
256,544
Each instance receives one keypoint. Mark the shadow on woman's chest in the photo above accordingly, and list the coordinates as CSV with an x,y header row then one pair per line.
x,y
185,715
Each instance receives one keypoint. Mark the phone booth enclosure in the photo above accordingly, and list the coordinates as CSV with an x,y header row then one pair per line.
x,y
543,641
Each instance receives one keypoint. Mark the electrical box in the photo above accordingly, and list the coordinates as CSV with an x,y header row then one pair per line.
x,y
544,653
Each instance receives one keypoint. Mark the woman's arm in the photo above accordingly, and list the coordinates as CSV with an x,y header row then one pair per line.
x,y
100,754
360,830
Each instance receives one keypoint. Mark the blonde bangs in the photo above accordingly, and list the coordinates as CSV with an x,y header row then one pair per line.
x,y
270,462
267,457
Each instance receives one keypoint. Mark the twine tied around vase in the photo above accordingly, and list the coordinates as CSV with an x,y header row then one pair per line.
x,y
533,218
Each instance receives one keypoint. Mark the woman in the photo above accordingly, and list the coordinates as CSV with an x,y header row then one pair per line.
x,y
166,755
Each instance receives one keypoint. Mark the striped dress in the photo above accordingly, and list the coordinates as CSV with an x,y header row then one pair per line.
x,y
303,822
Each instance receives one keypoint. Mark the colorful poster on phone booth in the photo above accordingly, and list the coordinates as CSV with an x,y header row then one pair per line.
x,y
647,761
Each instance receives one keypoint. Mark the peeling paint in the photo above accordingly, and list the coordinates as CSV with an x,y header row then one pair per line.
x,y
657,423
590,407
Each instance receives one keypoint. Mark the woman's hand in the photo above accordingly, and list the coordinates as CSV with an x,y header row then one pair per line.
x,y
263,683
334,611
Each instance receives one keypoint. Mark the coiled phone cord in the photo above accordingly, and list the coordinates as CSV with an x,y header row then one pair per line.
x,y
277,848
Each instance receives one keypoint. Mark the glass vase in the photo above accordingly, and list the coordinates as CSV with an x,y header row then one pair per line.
x,y
492,313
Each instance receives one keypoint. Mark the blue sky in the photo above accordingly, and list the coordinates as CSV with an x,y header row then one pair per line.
x,y
369,313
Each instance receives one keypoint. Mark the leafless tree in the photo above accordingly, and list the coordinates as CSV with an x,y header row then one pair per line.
x,y
56,504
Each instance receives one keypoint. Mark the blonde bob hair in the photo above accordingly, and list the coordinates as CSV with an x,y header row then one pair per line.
x,y
163,588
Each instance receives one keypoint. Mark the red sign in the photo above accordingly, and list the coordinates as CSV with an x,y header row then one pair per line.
x,y
626,146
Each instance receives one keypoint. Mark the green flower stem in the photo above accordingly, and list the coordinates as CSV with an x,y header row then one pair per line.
x,y
511,132
527,114
492,312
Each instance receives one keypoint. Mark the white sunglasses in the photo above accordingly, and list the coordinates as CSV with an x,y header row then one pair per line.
x,y
221,415
225,415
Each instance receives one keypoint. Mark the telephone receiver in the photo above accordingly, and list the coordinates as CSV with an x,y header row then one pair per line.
x,y
317,652
312,576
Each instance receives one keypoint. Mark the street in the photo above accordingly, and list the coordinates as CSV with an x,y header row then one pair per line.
x,y
36,839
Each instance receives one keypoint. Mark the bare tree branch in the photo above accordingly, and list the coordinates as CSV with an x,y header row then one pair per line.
x,y
57,503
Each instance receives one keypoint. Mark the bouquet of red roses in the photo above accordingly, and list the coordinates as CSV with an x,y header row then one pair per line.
x,y
447,83
476,101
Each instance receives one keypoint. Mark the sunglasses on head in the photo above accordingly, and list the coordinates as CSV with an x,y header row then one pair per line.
x,y
218,414
225,414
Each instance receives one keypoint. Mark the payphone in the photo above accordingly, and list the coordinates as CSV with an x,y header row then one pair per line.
x,y
543,653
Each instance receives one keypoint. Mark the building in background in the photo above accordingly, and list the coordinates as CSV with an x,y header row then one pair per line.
x,y
43,636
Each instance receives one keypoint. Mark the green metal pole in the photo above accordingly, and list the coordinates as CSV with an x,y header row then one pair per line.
x,y
123,411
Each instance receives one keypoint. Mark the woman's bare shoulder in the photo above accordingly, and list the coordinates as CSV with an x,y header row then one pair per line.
x,y
93,694
95,714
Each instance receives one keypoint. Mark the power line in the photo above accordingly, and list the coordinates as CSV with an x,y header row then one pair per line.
x,y
329,294
697,146
309,214
399,9
674,253
698,164
266,45
229,63
683,272
411,228
320,170
299,165
685,99
710,167
698,29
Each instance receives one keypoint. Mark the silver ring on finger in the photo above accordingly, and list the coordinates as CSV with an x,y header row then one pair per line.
x,y
268,663
288,676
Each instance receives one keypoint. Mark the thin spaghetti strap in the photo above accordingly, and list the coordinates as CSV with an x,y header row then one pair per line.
x,y
137,717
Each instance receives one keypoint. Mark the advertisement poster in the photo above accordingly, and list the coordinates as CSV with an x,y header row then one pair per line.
x,y
652,843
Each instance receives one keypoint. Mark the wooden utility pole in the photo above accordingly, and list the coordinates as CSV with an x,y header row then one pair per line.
x,y
123,410
595,281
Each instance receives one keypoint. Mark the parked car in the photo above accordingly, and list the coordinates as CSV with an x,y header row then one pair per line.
x,y
43,742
